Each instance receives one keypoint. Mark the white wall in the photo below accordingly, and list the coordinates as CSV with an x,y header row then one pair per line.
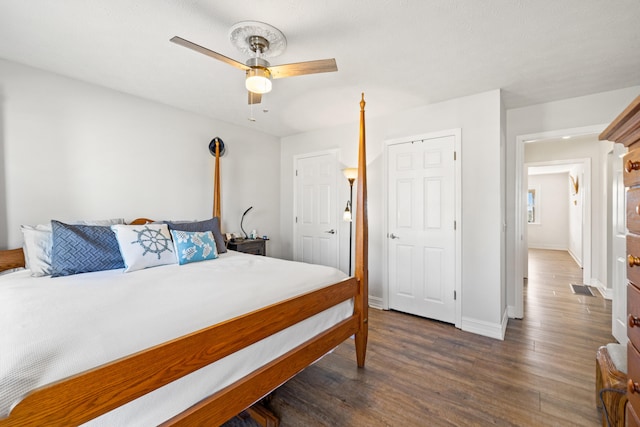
x,y
479,118
590,110
551,231
74,150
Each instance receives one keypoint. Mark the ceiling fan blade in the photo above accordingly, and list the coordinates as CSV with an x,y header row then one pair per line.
x,y
254,98
301,68
208,52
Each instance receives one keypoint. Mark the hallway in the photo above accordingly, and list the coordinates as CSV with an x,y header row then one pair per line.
x,y
564,328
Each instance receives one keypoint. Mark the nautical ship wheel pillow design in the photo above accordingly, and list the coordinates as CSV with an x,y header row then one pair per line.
x,y
144,246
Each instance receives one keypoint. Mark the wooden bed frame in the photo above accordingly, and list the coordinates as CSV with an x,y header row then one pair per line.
x,y
82,397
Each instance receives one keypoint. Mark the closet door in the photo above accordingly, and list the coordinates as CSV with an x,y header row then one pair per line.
x,y
421,228
316,230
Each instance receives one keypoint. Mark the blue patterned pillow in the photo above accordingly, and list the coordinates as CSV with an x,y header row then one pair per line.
x,y
82,249
212,225
144,246
194,246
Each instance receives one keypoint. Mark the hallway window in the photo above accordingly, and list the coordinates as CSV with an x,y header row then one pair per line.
x,y
532,206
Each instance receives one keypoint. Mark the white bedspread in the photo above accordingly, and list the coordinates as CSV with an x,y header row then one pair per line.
x,y
51,328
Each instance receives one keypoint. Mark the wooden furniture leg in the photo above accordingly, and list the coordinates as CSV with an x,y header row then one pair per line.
x,y
611,377
263,416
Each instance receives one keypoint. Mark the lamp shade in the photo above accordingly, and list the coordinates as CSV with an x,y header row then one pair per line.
x,y
350,173
258,80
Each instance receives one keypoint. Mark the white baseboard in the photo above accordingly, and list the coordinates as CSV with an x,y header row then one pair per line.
x,y
376,302
487,329
511,312
575,258
607,293
548,246
505,320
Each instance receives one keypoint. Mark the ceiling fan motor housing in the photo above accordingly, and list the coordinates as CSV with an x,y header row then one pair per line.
x,y
257,62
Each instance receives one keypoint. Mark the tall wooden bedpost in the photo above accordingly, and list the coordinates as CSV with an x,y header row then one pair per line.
x,y
216,186
362,245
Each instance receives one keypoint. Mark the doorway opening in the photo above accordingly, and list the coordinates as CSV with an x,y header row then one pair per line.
x,y
521,190
559,209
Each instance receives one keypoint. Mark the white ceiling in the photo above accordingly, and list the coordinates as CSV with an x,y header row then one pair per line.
x,y
401,53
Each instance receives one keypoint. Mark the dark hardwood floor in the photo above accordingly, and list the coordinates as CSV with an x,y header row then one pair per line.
x,y
426,373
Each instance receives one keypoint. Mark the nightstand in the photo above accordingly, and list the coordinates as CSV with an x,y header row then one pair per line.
x,y
249,246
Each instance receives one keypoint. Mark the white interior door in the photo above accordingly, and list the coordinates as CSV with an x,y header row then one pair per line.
x,y
421,228
316,231
618,248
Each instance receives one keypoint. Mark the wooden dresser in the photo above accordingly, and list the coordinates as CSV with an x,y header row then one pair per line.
x,y
625,129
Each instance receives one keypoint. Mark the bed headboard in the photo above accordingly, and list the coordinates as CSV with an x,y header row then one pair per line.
x,y
12,258
141,221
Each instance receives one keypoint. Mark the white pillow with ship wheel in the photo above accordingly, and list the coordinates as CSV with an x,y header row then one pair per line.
x,y
144,246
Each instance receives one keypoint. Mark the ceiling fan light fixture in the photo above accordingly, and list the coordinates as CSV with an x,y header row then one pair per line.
x,y
259,41
258,80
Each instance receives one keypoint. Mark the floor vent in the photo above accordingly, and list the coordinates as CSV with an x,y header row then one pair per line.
x,y
581,290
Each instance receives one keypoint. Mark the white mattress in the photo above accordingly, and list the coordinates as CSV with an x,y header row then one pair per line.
x,y
51,328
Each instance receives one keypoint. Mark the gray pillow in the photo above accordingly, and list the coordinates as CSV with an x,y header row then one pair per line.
x,y
212,225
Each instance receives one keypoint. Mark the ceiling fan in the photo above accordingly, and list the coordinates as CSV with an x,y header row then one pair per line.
x,y
260,41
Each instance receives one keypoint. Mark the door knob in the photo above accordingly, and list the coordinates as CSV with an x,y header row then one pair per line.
x,y
332,231
393,236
